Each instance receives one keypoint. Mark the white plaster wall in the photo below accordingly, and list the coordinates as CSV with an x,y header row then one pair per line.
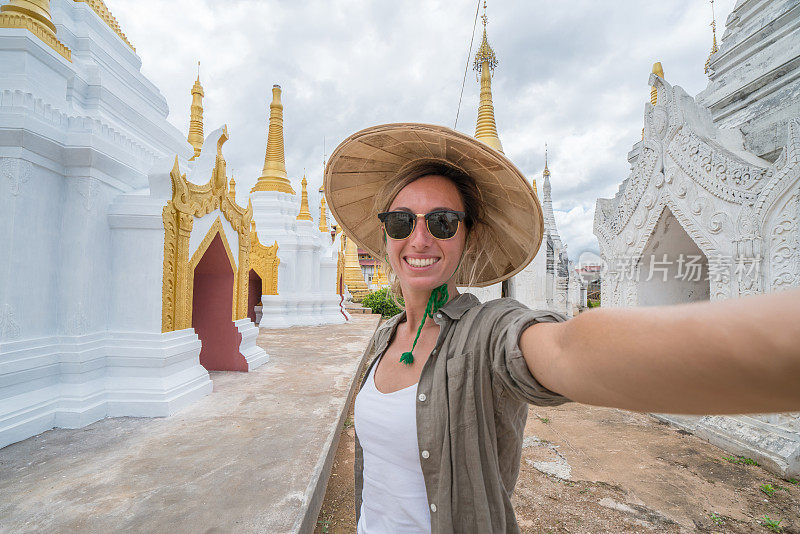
x,y
669,240
30,211
137,263
484,294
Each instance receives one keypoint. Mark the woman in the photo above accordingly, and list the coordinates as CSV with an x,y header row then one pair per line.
x,y
440,414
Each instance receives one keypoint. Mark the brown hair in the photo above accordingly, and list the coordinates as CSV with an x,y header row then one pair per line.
x,y
473,207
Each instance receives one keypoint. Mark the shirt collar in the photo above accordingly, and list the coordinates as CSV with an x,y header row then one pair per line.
x,y
458,306
455,308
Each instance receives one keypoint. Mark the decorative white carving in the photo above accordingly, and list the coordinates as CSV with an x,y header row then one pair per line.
x,y
632,193
9,329
784,261
720,172
716,222
88,190
21,102
76,323
17,172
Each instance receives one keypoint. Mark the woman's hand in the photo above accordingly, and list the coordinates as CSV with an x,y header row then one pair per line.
x,y
735,356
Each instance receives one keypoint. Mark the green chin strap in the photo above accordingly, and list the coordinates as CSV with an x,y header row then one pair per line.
x,y
437,299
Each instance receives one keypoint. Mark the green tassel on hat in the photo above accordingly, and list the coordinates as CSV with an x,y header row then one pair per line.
x,y
437,299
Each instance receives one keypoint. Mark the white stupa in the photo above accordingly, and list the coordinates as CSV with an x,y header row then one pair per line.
x,y
305,290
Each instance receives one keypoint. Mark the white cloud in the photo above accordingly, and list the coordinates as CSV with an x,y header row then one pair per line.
x,y
572,74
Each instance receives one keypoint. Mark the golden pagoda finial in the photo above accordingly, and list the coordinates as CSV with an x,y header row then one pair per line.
x,y
34,16
195,137
546,171
714,48
379,277
273,177
232,188
323,218
304,214
658,70
485,62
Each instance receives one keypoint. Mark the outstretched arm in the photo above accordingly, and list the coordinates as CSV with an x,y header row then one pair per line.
x,y
734,356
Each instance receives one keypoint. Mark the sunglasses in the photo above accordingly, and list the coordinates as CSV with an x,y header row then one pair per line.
x,y
442,224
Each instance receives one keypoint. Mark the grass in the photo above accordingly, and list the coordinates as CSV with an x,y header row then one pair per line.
x,y
767,489
741,460
794,481
716,519
325,523
771,524
544,420
348,423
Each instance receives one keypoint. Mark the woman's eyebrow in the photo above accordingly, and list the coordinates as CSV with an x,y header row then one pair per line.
x,y
409,210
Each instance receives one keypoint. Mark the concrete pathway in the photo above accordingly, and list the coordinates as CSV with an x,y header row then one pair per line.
x,y
253,456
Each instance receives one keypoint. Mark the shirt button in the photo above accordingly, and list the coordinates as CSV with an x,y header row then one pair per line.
x,y
433,507
422,397
425,454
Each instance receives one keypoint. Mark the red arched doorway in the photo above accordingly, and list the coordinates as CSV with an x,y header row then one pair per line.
x,y
253,295
212,304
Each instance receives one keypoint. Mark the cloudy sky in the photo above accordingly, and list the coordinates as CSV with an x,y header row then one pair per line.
x,y
572,74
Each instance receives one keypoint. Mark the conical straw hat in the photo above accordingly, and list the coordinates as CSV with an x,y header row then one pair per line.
x,y
365,161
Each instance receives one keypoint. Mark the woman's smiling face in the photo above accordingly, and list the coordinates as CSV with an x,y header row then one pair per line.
x,y
421,261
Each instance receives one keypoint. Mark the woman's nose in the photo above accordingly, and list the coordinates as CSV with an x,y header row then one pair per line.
x,y
420,237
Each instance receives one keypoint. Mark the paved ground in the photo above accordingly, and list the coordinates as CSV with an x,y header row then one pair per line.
x,y
246,458
588,470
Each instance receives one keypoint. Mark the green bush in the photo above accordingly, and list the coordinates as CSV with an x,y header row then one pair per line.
x,y
381,302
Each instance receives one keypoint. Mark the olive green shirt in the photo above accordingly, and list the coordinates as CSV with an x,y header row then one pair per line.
x,y
472,399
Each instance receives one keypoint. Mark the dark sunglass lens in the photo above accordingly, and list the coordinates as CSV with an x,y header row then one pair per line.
x,y
443,224
399,225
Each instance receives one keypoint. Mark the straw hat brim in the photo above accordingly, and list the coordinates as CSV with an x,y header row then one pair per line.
x,y
365,161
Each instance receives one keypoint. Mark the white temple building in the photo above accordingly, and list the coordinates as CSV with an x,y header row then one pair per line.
x,y
128,269
711,208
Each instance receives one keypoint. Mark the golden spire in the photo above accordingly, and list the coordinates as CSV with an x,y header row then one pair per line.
x,y
379,277
34,16
195,137
485,62
304,214
546,171
658,71
323,218
353,275
232,188
273,177
714,48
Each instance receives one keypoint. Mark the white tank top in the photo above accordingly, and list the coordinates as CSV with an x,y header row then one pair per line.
x,y
393,497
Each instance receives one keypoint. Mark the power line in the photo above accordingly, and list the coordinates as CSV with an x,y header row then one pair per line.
x,y
466,67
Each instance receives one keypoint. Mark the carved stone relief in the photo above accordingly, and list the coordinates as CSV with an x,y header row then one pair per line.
x,y
9,328
17,172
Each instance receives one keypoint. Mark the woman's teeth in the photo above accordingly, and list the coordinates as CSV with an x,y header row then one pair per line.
x,y
419,262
